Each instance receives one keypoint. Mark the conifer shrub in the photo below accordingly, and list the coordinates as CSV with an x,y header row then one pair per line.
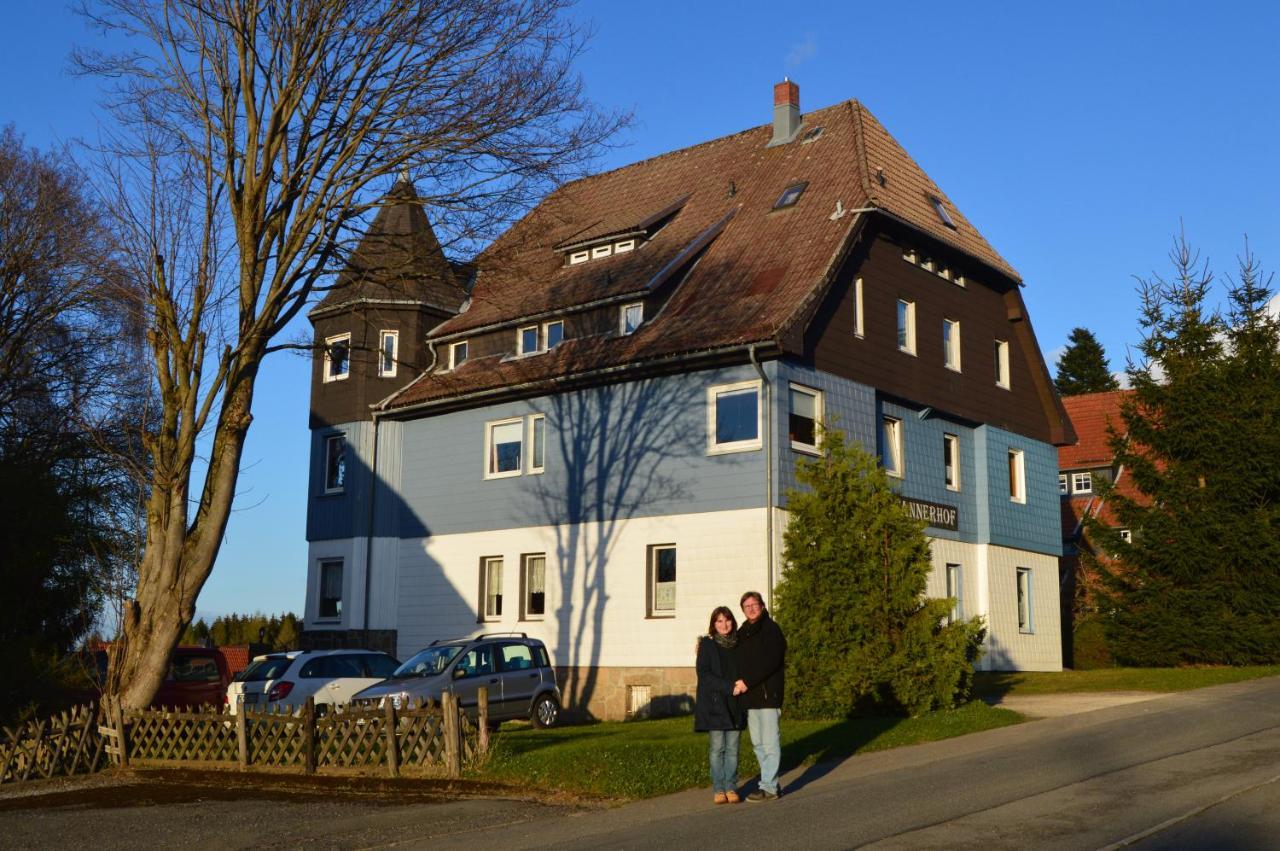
x,y
861,635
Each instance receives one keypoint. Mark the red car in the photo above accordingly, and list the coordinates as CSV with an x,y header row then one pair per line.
x,y
196,676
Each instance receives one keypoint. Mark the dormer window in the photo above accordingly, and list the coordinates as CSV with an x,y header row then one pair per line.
x,y
532,339
552,334
601,251
631,317
528,340
457,354
624,245
790,195
579,257
941,210
337,357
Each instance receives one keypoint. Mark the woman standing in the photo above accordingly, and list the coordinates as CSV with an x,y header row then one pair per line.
x,y
716,710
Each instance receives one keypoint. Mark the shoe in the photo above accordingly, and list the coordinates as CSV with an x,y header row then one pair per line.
x,y
721,798
731,797
761,795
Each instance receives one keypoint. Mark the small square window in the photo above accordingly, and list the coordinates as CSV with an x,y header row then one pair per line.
x,y
537,442
909,254
951,461
552,334
491,588
790,196
1126,535
335,463
625,245
504,448
631,315
857,308
388,353
1002,364
579,257
1024,600
337,357
527,339
907,326
533,596
951,344
601,251
804,418
1017,476
941,210
733,417
330,596
1082,482
959,280
891,446
926,263
662,580
457,354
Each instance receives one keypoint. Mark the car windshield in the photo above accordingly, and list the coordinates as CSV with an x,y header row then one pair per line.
x,y
270,668
429,662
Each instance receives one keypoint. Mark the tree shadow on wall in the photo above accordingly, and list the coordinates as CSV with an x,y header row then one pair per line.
x,y
624,450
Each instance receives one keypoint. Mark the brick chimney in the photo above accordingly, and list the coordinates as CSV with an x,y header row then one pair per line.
x,y
786,112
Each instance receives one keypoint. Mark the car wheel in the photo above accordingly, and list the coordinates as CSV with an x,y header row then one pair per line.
x,y
546,712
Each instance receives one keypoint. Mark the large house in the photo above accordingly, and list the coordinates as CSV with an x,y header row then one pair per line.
x,y
588,434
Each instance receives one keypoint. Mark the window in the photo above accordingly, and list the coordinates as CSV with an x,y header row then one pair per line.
x,y
491,588
527,338
662,580
625,245
515,657
907,326
457,354
1062,484
579,257
552,334
951,344
533,594
335,463
337,357
475,662
1002,364
1024,600
857,308
941,210
951,461
955,590
790,196
601,251
1017,477
330,597
891,454
537,442
1082,482
388,350
806,414
909,254
1126,535
958,280
926,263
733,417
504,447
631,317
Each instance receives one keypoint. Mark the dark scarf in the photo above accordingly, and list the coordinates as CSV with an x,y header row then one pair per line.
x,y
728,642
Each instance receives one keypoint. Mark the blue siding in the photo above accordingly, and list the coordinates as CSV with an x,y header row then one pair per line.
x,y
334,516
1036,524
847,406
925,474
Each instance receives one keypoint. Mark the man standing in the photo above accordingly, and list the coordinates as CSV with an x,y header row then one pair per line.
x,y
762,654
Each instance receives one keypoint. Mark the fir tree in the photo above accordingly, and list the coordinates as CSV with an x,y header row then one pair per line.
x,y
1200,580
851,601
1083,368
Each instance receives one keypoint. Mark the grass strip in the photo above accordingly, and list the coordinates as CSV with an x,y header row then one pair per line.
x,y
1115,679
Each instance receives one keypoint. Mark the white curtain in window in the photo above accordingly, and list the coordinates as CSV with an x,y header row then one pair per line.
x,y
537,579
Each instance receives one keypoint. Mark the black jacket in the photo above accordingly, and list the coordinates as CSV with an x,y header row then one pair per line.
x,y
716,708
762,658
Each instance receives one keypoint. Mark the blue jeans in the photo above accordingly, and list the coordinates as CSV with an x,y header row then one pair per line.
x,y
724,759
765,738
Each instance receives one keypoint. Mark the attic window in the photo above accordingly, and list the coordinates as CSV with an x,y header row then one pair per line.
x,y
601,251
941,209
579,257
811,136
790,195
625,245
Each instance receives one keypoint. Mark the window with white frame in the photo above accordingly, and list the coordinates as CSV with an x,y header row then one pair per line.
x,y
579,257
504,448
662,580
388,353
1082,482
1024,601
955,590
537,442
535,339
1002,363
951,344
804,418
733,417
552,334
329,598
458,354
1017,476
891,439
858,326
337,357
951,461
533,579
1062,484
527,340
630,317
907,326
335,463
491,588
1126,535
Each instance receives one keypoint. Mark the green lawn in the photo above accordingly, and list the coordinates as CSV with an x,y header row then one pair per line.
x,y
1116,679
640,759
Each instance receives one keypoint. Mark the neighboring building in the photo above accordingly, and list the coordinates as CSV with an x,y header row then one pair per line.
x,y
591,437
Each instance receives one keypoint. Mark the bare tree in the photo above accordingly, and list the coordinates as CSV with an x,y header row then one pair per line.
x,y
251,137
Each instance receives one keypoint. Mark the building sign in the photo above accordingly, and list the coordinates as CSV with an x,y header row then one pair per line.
x,y
933,513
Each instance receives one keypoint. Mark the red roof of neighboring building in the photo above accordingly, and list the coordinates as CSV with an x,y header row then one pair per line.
x,y
1091,413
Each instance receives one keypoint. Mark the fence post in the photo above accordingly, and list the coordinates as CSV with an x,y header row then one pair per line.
x,y
393,746
482,718
242,736
452,735
309,734
118,717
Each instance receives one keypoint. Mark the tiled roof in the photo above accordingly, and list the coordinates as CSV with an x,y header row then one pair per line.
x,y
755,275
1090,413
399,259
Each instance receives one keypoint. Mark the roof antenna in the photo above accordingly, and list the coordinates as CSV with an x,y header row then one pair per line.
x,y
880,178
404,175
733,189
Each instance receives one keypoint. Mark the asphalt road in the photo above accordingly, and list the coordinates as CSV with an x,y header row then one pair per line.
x,y
1194,770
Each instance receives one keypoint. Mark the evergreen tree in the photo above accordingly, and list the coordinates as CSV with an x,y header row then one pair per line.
x,y
1200,580
851,600
1083,368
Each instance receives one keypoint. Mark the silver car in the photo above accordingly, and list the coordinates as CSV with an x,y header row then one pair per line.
x,y
514,668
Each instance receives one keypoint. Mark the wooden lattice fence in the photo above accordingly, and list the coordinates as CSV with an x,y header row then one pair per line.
x,y
64,744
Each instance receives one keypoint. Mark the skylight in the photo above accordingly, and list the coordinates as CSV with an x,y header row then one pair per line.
x,y
790,195
942,212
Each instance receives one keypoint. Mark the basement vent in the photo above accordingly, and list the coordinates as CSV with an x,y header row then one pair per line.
x,y
638,699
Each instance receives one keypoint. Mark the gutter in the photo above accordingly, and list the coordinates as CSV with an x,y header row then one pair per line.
x,y
768,466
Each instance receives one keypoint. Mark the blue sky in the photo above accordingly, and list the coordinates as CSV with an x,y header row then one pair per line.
x,y
1077,137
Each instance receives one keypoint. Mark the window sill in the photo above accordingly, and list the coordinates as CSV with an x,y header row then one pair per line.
x,y
906,351
329,621
660,616
1026,631
730,448
806,449
511,475
951,489
954,369
1002,386
1017,501
331,379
